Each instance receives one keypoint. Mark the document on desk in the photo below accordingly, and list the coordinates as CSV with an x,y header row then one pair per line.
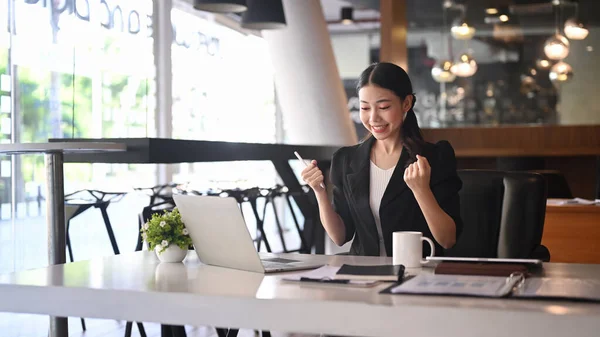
x,y
574,201
326,275
435,284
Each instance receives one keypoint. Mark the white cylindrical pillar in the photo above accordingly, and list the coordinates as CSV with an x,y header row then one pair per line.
x,y
307,80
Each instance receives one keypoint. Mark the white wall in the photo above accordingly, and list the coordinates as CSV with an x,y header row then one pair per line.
x,y
580,99
351,54
309,89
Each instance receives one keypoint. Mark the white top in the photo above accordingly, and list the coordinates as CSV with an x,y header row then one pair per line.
x,y
136,287
379,181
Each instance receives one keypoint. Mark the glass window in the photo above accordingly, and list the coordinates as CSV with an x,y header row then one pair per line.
x,y
83,69
222,83
511,83
6,229
223,90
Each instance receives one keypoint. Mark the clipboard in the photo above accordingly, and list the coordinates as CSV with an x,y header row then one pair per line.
x,y
460,285
516,286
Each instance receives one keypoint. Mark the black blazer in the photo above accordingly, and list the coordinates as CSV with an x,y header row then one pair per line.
x,y
399,210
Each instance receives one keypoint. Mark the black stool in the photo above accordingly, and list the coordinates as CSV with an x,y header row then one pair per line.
x,y
96,199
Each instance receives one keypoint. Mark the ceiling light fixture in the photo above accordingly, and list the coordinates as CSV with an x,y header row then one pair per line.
x,y
574,28
557,47
347,15
543,64
461,30
561,72
264,14
221,6
465,66
442,69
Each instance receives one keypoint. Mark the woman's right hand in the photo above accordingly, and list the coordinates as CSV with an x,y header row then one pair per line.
x,y
313,176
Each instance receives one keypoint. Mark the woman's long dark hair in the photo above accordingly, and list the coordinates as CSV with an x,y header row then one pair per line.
x,y
392,77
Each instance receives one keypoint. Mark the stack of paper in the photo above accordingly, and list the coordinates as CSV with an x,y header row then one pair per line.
x,y
575,201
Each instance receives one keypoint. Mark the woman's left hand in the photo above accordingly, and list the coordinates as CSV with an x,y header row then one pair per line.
x,y
417,175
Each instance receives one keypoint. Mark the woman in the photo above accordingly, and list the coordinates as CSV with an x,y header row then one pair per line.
x,y
394,180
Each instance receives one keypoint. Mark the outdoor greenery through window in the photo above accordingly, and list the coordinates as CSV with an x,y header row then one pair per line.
x,y
86,69
70,69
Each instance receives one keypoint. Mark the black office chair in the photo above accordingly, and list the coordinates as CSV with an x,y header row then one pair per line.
x,y
503,215
557,184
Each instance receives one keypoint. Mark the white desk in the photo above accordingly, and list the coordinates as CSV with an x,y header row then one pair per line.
x,y
55,197
135,287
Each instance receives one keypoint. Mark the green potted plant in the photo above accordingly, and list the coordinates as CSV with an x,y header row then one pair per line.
x,y
166,234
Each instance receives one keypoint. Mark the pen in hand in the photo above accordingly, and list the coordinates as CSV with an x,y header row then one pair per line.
x,y
306,165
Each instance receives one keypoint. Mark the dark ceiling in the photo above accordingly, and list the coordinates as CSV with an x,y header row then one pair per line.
x,y
526,13
532,13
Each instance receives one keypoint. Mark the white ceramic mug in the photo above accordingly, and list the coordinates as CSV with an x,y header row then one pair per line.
x,y
407,249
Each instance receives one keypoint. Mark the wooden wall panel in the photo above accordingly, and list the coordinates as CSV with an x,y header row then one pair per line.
x,y
394,29
571,150
519,141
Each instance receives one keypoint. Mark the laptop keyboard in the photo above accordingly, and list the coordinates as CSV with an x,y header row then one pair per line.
x,y
278,260
276,263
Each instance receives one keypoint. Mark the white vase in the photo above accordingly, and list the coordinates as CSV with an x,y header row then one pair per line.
x,y
171,254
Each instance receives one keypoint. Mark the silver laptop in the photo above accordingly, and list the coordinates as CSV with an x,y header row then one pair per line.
x,y
221,237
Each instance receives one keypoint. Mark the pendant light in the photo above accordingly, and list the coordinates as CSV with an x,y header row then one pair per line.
x,y
543,64
561,72
575,29
461,30
442,69
221,6
557,46
347,15
465,66
264,14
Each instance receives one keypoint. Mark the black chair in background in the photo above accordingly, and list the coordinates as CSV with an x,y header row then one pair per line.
x,y
503,215
283,192
557,184
159,193
85,199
